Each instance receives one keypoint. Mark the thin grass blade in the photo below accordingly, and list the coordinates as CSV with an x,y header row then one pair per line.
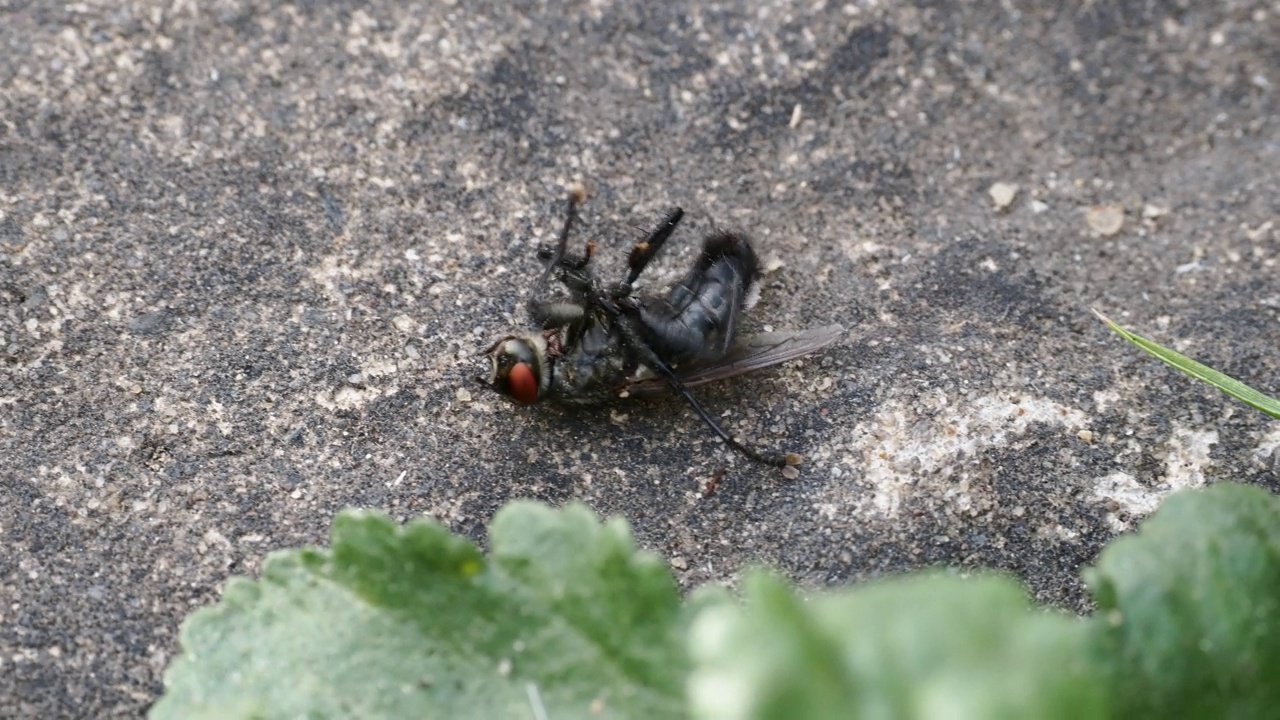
x,y
1225,383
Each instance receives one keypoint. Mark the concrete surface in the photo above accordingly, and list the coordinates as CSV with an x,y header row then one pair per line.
x,y
249,254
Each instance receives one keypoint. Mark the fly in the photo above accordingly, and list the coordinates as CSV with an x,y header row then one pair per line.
x,y
606,343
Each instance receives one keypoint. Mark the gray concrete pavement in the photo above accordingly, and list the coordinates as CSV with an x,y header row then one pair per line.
x,y
249,254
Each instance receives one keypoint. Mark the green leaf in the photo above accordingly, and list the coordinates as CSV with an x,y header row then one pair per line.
x,y
1189,608
927,646
1225,383
565,620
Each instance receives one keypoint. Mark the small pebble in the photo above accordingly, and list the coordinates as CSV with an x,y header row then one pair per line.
x,y
1106,220
403,323
797,114
1003,195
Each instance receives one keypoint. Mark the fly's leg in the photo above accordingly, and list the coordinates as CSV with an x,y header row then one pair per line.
x,y
577,195
646,249
641,253
651,359
555,314
569,270
569,263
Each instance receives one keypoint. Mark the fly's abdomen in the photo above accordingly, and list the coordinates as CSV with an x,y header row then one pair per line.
x,y
699,317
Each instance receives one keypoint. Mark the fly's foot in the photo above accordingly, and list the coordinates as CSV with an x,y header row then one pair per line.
x,y
583,261
789,470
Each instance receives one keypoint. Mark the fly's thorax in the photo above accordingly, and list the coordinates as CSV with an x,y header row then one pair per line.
x,y
519,367
591,365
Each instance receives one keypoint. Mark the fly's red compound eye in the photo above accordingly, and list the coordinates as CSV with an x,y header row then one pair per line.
x,y
521,383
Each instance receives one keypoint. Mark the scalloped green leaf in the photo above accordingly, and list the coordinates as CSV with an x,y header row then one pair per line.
x,y
1189,608
925,646
565,619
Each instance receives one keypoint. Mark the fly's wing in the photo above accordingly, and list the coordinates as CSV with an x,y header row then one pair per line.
x,y
748,354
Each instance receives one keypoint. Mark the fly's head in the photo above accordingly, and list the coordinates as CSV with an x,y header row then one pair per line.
x,y
519,368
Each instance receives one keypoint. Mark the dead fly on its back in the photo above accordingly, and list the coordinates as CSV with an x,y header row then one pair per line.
x,y
606,343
